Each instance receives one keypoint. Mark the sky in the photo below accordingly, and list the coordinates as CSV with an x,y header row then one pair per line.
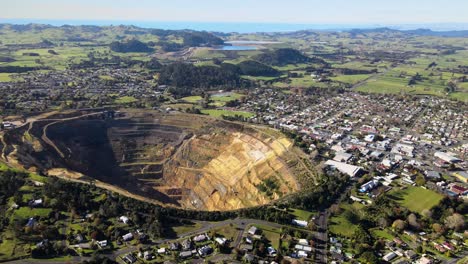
x,y
257,11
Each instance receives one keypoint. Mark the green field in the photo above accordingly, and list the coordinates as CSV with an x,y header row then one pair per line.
x,y
5,77
126,100
106,77
12,248
207,53
416,199
216,99
351,79
219,113
340,225
226,97
180,229
192,99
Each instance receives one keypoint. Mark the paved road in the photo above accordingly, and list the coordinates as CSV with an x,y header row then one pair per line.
x,y
321,238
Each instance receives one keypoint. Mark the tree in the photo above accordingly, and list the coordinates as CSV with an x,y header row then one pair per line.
x,y
455,221
438,228
383,222
419,249
351,216
312,226
413,221
335,209
427,213
399,225
420,180
362,236
369,257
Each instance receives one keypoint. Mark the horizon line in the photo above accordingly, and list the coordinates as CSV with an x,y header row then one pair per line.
x,y
452,26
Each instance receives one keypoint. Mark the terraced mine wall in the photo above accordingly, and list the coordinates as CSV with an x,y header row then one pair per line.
x,y
181,160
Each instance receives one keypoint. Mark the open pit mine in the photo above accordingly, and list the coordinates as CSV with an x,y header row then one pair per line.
x,y
170,159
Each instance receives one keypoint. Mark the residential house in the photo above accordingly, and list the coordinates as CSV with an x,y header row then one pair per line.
x,y
127,237
129,258
205,251
221,240
186,244
199,238
389,256
185,254
252,230
369,186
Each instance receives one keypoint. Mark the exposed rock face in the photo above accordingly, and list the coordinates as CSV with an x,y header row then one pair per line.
x,y
227,180
185,160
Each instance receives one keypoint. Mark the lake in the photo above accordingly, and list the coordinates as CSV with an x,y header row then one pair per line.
x,y
238,47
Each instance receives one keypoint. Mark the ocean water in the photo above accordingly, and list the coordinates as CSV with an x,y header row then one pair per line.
x,y
237,27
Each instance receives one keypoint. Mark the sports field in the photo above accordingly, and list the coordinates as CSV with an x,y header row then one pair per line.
x,y
416,199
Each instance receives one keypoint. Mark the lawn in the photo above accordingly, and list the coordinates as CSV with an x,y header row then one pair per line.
x,y
302,215
381,234
26,212
227,231
340,225
272,234
416,199
273,237
219,113
181,229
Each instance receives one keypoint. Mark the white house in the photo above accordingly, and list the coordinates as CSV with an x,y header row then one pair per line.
x,y
369,186
389,256
221,240
300,223
124,219
199,238
127,237
102,243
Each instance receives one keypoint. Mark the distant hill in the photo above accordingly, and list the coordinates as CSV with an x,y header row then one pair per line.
x,y
428,32
185,77
418,32
130,46
168,38
282,57
255,68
